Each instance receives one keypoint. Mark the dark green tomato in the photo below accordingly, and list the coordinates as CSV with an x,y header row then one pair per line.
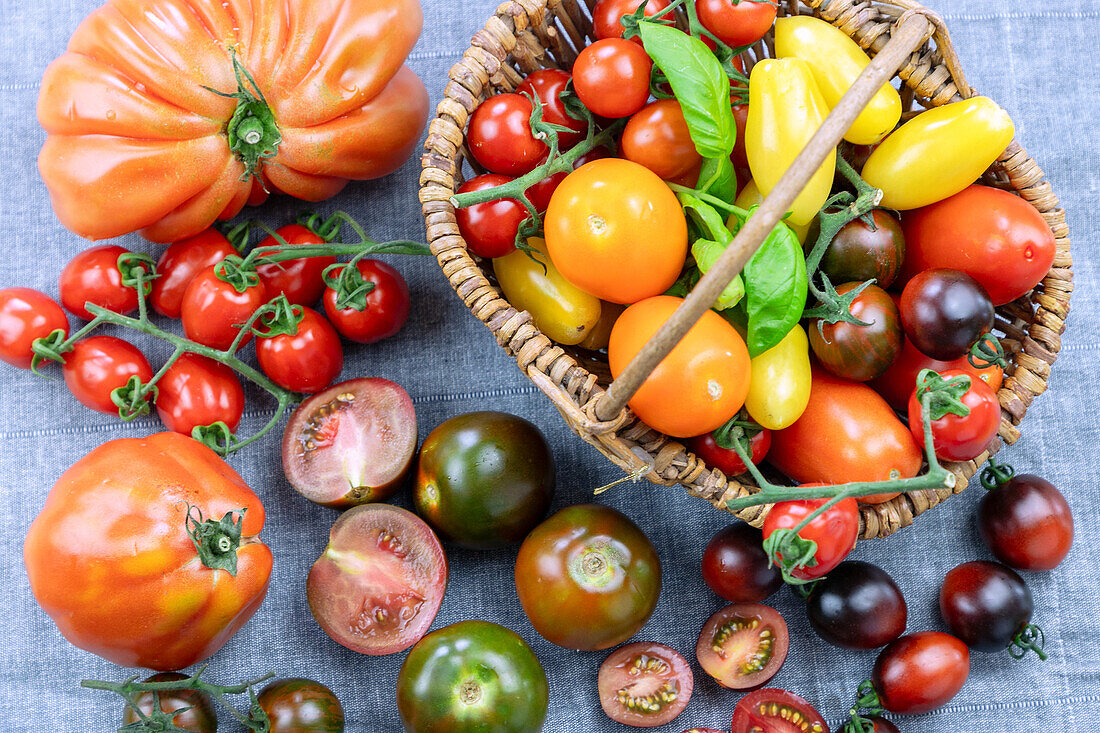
x,y
472,677
859,253
298,705
855,352
484,479
201,718
588,578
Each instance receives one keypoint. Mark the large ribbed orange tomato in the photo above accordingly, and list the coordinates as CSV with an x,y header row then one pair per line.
x,y
146,552
142,134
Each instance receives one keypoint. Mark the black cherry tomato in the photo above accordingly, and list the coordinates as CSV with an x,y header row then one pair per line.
x,y
859,353
985,604
1026,523
859,253
920,672
199,717
736,567
776,711
297,705
644,684
945,312
857,606
743,645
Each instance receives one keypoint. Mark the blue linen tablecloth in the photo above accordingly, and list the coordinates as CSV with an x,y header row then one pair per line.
x,y
1036,59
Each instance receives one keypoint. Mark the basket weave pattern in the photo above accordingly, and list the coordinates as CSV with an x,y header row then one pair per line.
x,y
526,35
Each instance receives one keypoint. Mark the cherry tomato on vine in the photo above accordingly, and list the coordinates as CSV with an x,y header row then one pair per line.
x,y
736,567
212,309
299,280
857,606
920,672
859,253
92,276
775,711
306,361
200,715
959,438
180,263
855,352
387,305
945,312
198,391
607,14
737,24
98,365
26,315
1026,522
297,705
703,381
897,382
726,460
490,228
985,604
835,531
500,136
547,85
611,77
657,137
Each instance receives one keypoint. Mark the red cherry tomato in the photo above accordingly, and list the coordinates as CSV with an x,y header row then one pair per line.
x,y
99,365
725,460
212,308
607,14
26,315
93,277
500,136
657,137
490,228
960,438
835,531
897,383
541,193
547,85
611,77
301,280
920,672
180,263
740,24
387,305
199,391
307,361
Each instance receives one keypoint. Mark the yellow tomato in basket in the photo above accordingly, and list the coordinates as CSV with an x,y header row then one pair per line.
x,y
780,386
559,309
939,153
702,382
836,61
785,110
616,230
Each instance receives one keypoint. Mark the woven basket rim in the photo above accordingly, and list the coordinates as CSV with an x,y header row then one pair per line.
x,y
523,34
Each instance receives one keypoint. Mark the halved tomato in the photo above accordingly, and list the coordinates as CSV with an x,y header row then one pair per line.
x,y
743,645
776,711
645,684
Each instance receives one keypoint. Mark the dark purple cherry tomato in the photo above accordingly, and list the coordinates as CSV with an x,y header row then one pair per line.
x,y
736,567
92,276
490,228
776,711
644,684
1026,523
500,136
743,645
200,717
859,353
27,315
299,705
612,77
299,280
180,263
945,312
985,604
387,305
882,725
920,672
726,460
859,253
547,85
857,606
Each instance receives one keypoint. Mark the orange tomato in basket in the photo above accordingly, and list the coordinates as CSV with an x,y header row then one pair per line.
x,y
700,385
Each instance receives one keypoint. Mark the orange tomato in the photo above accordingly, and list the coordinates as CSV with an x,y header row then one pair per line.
x,y
847,433
615,230
703,381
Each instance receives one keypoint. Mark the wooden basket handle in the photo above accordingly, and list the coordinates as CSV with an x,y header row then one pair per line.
x,y
914,28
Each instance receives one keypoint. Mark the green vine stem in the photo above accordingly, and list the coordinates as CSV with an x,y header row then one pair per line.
x,y
1030,639
256,720
987,352
868,705
996,474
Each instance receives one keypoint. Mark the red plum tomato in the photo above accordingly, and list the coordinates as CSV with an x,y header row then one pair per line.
x,y
380,581
27,315
351,444
500,136
743,645
776,711
736,567
588,578
92,276
306,361
197,391
611,77
920,672
98,365
1026,523
388,305
644,684
301,280
179,264
490,228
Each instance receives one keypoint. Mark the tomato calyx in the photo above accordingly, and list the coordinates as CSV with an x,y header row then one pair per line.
x,y
159,721
134,399
987,352
943,396
278,318
995,475
215,541
1030,639
868,705
138,270
740,430
253,133
789,551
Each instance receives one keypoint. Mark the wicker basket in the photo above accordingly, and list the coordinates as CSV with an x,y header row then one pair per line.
x,y
526,35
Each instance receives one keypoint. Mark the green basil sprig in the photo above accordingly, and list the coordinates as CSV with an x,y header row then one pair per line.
x,y
776,289
715,238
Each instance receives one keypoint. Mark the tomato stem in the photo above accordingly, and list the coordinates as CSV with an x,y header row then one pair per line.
x,y
1030,639
996,474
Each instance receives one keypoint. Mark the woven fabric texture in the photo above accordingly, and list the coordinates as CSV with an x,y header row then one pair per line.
x,y
1034,59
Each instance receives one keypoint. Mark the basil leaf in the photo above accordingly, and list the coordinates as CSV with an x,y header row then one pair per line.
x,y
711,245
720,178
699,83
776,289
